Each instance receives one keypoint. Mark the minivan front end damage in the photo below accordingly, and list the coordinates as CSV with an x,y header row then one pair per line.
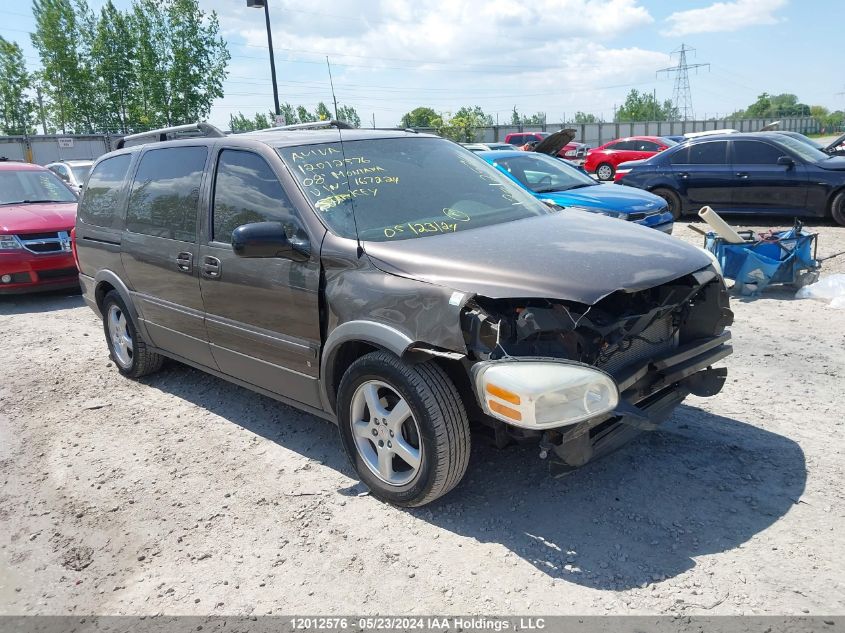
x,y
584,379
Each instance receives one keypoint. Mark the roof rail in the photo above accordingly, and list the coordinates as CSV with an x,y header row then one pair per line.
x,y
314,125
205,129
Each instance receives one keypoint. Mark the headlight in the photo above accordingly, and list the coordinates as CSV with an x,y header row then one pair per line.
x,y
543,394
620,215
9,243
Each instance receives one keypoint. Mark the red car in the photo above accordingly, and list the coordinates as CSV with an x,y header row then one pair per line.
x,y
604,160
37,213
569,151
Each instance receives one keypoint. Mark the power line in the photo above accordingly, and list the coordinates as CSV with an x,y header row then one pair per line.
x,y
681,95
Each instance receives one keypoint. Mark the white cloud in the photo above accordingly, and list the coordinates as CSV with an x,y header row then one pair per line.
x,y
725,16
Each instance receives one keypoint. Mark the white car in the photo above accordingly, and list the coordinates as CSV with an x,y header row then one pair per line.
x,y
73,172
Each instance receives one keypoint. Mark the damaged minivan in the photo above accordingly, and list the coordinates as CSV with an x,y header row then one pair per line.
x,y
399,286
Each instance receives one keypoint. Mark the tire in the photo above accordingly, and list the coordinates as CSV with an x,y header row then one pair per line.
x,y
673,200
605,171
837,208
434,432
127,350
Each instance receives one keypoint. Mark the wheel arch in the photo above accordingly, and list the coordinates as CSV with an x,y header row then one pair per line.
x,y
347,343
104,282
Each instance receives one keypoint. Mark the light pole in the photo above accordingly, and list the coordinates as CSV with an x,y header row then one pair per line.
x,y
258,4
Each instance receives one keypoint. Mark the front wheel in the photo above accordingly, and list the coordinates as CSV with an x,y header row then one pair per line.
x,y
673,201
837,208
605,171
404,428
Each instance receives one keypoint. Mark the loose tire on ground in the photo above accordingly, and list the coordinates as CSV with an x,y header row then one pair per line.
x,y
837,208
126,348
672,199
605,171
437,428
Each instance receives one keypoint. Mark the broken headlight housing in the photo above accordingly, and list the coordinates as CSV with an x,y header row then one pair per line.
x,y
543,394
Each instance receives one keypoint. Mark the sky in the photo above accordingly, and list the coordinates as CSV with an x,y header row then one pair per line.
x,y
551,56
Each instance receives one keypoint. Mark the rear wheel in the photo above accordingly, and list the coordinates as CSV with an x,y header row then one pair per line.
x,y
404,428
673,200
605,171
126,348
837,208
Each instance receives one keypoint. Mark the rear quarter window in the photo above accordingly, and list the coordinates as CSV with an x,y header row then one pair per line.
x,y
165,193
100,200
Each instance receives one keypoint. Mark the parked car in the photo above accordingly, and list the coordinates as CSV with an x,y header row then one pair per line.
x,y
37,213
604,160
73,172
759,173
486,147
333,275
836,148
572,151
555,181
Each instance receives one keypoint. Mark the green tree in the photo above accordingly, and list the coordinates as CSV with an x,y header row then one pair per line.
x,y
349,115
644,107
289,112
323,113
304,115
419,117
475,114
583,117
16,109
56,37
516,118
464,125
114,52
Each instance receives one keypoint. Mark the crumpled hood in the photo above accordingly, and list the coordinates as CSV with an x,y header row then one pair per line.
x,y
37,217
571,255
611,197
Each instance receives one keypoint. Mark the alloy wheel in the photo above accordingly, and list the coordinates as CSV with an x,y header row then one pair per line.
x,y
121,339
386,433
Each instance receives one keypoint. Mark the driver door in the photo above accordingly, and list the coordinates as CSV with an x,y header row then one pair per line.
x,y
262,315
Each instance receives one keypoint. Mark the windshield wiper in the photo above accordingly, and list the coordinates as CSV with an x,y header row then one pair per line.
x,y
36,201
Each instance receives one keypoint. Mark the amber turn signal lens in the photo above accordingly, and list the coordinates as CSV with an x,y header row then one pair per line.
x,y
504,394
501,409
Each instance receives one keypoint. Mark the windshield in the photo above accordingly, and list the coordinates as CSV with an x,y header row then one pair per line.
x,y
405,188
80,172
19,186
541,173
807,152
668,141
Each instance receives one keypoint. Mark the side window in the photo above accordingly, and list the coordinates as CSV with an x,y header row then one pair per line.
x,y
518,139
246,190
61,172
647,146
756,153
99,200
708,153
680,157
165,193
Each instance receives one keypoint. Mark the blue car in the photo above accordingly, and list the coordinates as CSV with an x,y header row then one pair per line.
x,y
555,181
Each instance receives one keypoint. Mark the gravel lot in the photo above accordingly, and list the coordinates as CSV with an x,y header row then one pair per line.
x,y
183,494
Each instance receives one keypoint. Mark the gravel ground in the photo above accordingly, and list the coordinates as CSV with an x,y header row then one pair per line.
x,y
183,494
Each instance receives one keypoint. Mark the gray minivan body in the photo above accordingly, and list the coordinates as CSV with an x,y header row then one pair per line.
x,y
157,239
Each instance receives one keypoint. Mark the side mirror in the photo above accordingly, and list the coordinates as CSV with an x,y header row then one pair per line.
x,y
271,239
786,161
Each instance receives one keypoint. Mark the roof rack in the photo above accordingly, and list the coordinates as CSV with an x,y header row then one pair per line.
x,y
204,129
314,125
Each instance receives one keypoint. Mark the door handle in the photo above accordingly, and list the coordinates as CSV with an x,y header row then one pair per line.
x,y
185,262
742,174
211,267
684,175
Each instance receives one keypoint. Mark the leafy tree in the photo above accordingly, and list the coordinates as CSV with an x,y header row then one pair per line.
x,y
323,113
304,115
583,117
114,51
462,127
16,109
516,119
349,115
419,117
476,115
288,111
56,36
644,107
768,106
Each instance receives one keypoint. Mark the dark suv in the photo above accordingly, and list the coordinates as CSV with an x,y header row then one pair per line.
x,y
399,286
